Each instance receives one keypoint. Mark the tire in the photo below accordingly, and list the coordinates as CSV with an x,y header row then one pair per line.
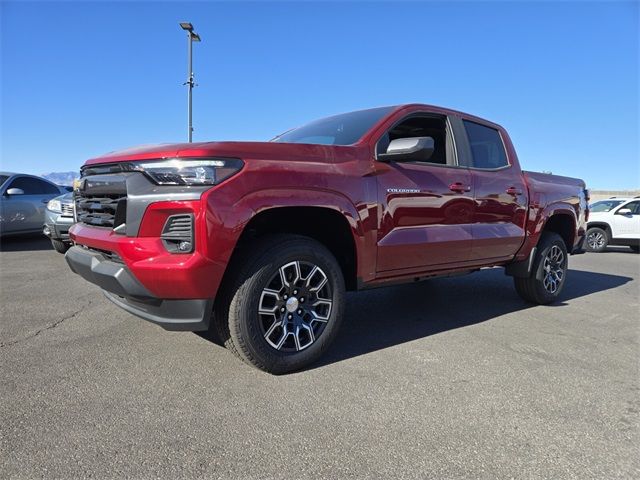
x,y
59,246
283,304
549,271
635,248
597,240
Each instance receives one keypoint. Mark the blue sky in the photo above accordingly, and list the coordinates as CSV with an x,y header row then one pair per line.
x,y
83,78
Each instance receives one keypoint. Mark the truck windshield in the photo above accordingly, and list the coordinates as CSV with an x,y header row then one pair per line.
x,y
604,205
344,129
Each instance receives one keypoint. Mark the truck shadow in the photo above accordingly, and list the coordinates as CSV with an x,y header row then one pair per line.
x,y
25,243
381,318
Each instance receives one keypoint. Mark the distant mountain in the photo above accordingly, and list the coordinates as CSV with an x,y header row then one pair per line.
x,y
61,178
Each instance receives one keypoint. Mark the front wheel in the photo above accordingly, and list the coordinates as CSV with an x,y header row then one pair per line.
x,y
549,271
59,246
286,304
597,239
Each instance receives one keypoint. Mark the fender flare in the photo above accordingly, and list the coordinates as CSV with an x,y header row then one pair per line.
x,y
262,200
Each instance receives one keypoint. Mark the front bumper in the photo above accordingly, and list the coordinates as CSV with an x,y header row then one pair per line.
x,y
122,288
57,225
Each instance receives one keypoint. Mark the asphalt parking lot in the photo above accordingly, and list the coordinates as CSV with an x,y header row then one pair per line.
x,y
451,378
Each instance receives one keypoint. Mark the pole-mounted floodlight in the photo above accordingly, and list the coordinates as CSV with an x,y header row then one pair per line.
x,y
192,37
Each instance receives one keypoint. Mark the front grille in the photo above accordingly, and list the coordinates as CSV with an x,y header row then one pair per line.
x,y
67,210
101,200
101,211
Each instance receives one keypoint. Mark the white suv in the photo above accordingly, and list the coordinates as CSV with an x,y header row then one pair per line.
x,y
615,221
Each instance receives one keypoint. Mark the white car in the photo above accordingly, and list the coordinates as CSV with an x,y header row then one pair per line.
x,y
615,221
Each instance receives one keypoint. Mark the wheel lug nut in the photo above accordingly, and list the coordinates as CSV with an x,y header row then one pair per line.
x,y
295,292
302,300
299,312
290,316
282,309
285,296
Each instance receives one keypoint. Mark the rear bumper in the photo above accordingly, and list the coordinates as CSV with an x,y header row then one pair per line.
x,y
122,288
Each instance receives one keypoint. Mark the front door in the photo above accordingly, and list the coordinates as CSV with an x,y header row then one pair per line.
x,y
426,208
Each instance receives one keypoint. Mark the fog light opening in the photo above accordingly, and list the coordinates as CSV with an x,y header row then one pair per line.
x,y
177,234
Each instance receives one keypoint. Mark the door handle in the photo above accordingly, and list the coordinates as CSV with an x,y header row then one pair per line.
x,y
514,191
459,187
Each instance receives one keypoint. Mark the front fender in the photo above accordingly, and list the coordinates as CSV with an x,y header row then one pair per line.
x,y
226,222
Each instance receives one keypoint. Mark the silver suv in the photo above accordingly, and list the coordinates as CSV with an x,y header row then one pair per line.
x,y
58,217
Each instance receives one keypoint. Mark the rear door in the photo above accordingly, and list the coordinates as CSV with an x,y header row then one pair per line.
x,y
426,207
500,194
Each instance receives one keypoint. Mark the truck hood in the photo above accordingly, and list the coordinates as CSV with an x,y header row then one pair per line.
x,y
247,151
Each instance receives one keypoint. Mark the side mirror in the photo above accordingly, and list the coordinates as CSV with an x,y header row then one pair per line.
x,y
412,149
624,211
14,191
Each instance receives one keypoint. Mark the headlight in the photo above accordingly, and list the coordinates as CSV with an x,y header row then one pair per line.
x,y
189,171
55,206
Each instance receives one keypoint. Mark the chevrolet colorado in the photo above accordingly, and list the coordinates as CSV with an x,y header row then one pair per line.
x,y
258,241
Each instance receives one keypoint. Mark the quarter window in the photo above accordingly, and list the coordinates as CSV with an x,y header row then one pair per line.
x,y
487,149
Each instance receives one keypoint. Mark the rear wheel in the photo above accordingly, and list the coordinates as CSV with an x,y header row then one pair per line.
x,y
285,304
597,239
59,246
549,271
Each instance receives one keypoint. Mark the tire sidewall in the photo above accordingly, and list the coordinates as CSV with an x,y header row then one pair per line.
x,y
544,295
59,246
244,323
606,238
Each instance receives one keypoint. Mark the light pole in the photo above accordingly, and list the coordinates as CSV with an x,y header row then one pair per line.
x,y
191,37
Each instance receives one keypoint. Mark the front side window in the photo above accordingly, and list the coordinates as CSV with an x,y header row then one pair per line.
x,y
344,129
604,206
33,186
420,126
3,178
633,206
487,149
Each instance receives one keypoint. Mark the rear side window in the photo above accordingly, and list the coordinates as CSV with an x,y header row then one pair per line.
x,y
486,145
33,186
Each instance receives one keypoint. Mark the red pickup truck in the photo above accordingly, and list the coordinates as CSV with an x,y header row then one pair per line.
x,y
259,241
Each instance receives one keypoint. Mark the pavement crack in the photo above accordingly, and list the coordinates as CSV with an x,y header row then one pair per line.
x,y
44,329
